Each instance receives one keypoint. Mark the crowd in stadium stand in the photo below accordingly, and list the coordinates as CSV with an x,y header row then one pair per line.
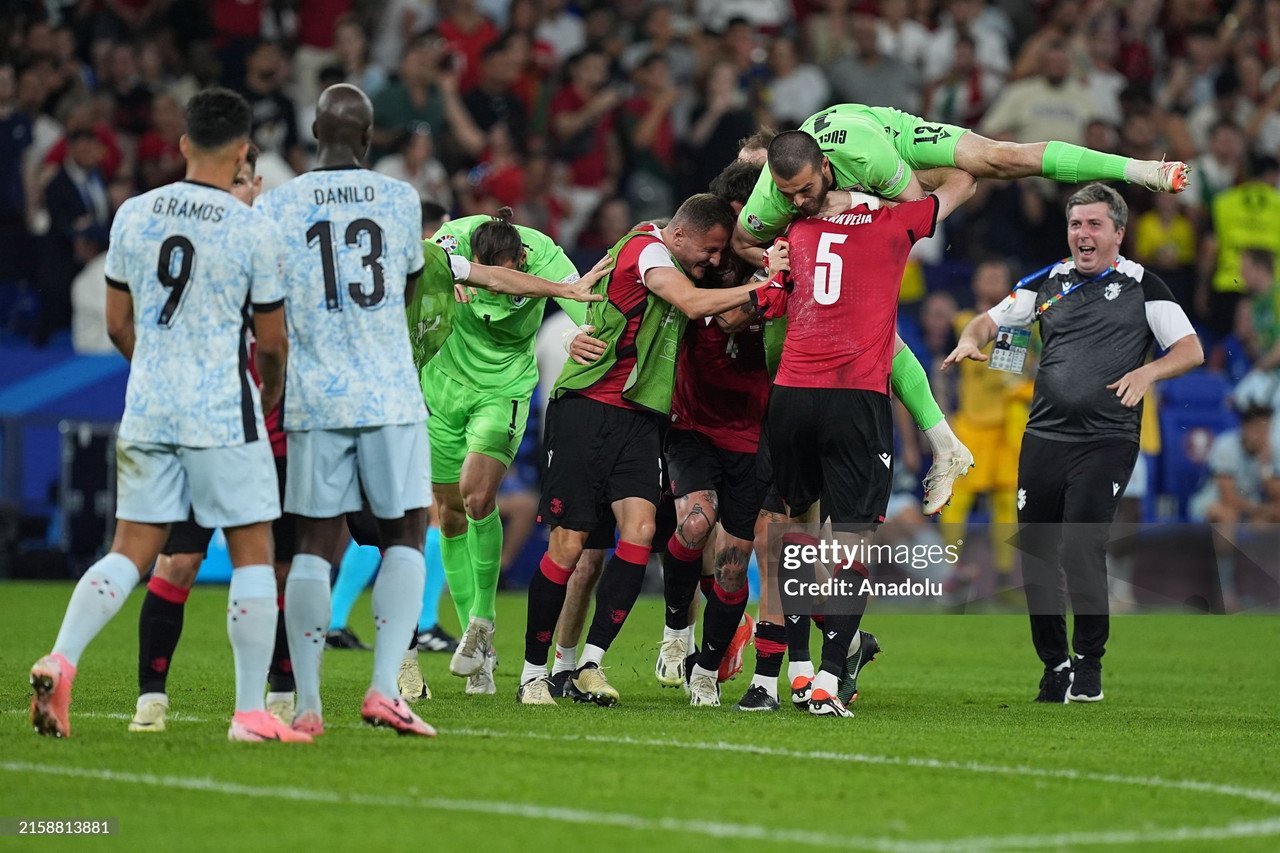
x,y
585,116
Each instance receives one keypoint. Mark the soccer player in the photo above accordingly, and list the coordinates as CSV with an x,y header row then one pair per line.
x,y
877,150
951,458
1099,313
163,607
478,388
353,415
185,264
830,427
604,443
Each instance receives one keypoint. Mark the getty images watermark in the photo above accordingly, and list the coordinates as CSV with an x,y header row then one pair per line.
x,y
837,572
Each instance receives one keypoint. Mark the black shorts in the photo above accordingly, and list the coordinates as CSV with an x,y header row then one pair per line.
x,y
833,444
597,454
187,537
695,465
772,501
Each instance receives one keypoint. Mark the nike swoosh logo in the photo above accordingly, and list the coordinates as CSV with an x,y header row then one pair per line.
x,y
407,720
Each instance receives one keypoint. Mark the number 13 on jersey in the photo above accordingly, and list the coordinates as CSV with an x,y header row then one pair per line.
x,y
321,235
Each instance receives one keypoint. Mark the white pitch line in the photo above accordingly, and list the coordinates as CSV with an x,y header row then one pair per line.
x,y
1239,829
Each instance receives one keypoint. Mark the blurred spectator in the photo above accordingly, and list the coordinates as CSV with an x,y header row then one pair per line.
x,y
492,100
1101,53
426,90
415,163
76,199
962,96
402,22
1263,129
1164,241
966,17
609,222
1258,315
582,122
660,37
562,29
316,37
542,208
160,160
797,89
719,119
1048,106
89,294
826,34
760,14
1218,168
237,28
275,117
604,33
468,33
433,217
498,180
1244,484
871,77
79,114
900,36
1247,216
351,51
132,97
740,45
1227,105
648,135
938,333
15,139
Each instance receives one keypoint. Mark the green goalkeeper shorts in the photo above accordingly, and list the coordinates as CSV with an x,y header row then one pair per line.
x,y
922,143
465,421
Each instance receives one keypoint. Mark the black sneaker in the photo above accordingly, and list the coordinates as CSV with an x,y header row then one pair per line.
x,y
1054,685
435,639
562,686
847,692
1086,686
344,639
756,699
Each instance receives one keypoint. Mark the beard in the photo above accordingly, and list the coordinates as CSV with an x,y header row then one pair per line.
x,y
813,207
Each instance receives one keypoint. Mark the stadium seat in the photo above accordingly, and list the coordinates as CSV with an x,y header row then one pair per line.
x,y
1188,433
1199,389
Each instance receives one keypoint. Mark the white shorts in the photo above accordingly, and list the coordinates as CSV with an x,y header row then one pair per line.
x,y
225,486
328,467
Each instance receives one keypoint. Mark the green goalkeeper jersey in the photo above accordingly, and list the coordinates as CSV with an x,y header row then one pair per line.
x,y
871,150
490,348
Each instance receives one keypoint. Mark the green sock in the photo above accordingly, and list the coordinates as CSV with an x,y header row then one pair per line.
x,y
484,541
456,557
1071,164
911,386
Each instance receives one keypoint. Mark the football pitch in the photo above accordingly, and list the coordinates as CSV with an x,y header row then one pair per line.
x,y
946,752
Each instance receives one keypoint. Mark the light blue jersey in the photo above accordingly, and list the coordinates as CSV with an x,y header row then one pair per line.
x,y
352,238
193,258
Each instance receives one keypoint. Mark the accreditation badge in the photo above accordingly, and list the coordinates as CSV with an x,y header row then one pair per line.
x,y
1010,351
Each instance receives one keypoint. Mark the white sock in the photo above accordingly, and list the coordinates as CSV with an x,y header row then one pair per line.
x,y
251,624
769,683
798,668
566,659
306,619
591,654
675,633
397,601
1066,664
98,596
532,671
826,681
153,697
278,697
697,670
1140,171
693,640
941,439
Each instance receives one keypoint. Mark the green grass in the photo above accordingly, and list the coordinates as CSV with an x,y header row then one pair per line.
x,y
946,748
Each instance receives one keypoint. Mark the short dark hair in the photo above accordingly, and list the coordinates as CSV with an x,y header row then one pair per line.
x,y
251,157
1095,193
217,117
792,150
758,141
702,212
736,182
497,241
1262,257
433,213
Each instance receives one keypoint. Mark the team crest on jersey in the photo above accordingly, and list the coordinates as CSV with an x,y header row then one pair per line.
x,y
449,243
1022,498
517,301
754,223
1112,291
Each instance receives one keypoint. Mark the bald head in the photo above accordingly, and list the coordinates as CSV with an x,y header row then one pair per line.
x,y
344,119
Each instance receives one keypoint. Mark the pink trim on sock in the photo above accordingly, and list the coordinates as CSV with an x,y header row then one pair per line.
x,y
770,647
169,592
733,599
630,552
706,583
680,551
553,571
855,566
